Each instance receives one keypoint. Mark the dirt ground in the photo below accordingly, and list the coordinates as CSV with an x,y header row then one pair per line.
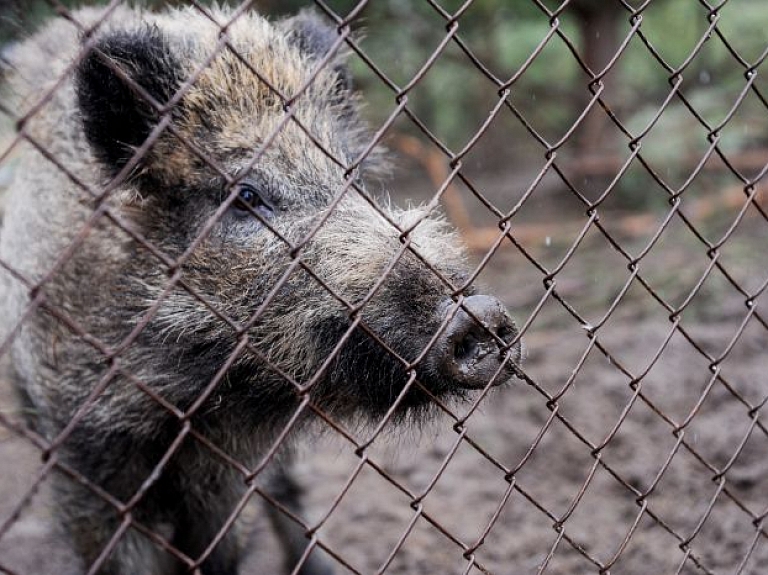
x,y
642,463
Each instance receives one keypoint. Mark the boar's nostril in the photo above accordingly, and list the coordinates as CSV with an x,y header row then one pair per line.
x,y
506,332
465,347
469,354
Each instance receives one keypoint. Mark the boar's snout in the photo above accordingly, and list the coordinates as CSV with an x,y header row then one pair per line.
x,y
470,354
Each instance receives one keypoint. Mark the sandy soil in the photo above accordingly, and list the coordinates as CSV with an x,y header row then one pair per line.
x,y
643,463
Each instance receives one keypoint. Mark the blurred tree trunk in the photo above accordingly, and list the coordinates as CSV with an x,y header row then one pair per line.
x,y
599,23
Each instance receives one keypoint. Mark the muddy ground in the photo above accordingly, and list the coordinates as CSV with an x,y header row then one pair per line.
x,y
650,459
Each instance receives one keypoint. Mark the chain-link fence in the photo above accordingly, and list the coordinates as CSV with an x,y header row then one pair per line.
x,y
227,351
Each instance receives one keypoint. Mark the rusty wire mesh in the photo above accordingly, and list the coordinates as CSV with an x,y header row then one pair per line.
x,y
608,455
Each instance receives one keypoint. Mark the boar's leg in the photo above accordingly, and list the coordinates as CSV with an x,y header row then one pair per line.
x,y
194,535
287,492
199,516
91,523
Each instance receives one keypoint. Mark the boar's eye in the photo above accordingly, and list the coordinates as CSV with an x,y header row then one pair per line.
x,y
250,200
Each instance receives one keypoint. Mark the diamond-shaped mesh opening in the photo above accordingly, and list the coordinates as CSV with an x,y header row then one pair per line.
x,y
679,498
651,547
483,498
734,534
550,455
675,382
746,383
357,504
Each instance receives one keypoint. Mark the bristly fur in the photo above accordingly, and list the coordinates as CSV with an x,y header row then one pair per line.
x,y
92,124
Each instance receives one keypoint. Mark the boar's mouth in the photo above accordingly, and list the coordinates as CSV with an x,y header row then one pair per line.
x,y
365,377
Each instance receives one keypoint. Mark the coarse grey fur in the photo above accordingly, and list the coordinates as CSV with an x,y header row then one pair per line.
x,y
106,283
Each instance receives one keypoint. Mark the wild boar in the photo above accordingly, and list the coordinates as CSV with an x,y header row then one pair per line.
x,y
191,253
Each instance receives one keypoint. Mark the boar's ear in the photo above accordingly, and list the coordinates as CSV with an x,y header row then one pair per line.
x,y
117,118
315,37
